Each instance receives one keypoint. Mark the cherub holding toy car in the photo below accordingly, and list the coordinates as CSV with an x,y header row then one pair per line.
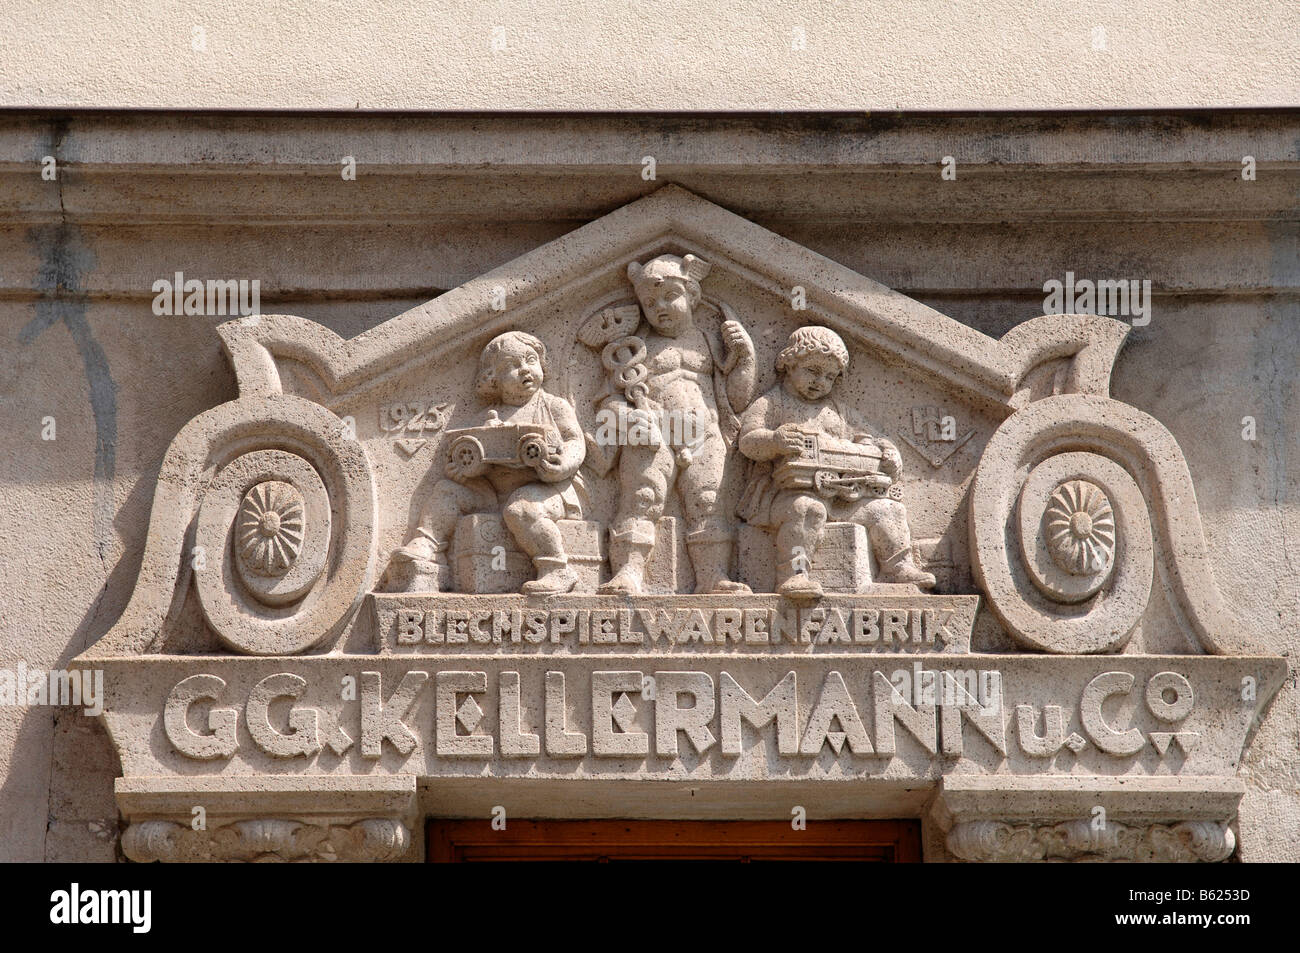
x,y
527,452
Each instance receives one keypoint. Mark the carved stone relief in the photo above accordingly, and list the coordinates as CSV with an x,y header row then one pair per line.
x,y
1081,841
268,840
655,522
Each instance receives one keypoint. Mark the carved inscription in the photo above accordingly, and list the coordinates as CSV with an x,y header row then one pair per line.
x,y
673,626
471,713
411,424
594,624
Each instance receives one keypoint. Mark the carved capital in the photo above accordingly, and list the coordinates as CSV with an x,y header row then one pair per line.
x,y
990,841
372,839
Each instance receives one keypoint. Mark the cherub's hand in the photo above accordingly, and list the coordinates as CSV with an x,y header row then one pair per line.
x,y
739,345
550,464
891,461
455,470
789,440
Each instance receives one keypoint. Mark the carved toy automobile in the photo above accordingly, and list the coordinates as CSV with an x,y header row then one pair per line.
x,y
475,449
833,468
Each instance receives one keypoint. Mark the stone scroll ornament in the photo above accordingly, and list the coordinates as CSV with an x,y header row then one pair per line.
x,y
280,549
260,840
1083,842
1077,501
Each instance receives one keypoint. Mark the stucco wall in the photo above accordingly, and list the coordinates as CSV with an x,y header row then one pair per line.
x,y
436,203
674,55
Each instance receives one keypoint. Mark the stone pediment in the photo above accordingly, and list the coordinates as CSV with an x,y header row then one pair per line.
x,y
494,540
532,287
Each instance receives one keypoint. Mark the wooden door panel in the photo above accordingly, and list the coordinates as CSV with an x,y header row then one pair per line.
x,y
615,840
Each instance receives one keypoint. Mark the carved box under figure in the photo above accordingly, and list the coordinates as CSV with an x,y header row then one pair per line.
x,y
842,563
487,559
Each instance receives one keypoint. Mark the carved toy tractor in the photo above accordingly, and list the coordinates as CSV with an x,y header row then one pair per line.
x,y
516,446
834,469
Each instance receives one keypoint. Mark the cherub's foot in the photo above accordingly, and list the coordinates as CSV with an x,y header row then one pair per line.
x,y
723,586
902,569
800,588
410,571
558,580
916,577
626,581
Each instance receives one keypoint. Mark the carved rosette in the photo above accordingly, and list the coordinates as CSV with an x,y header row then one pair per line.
x,y
1080,841
265,522
1085,545
270,528
262,840
1079,524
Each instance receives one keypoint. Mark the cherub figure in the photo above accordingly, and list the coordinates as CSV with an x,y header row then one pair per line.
x,y
538,489
667,378
785,425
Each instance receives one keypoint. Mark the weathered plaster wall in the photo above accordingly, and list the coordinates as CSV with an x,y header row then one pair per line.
x,y
437,202
632,54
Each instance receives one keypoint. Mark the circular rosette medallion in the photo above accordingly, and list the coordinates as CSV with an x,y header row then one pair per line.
x,y
269,529
1080,528
1084,528
269,514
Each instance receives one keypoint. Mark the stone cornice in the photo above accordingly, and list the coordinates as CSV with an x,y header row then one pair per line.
x,y
143,166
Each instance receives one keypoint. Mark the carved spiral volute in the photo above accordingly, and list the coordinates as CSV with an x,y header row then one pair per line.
x,y
284,534
1061,535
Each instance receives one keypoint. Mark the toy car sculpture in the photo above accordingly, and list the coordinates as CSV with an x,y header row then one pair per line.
x,y
517,446
834,469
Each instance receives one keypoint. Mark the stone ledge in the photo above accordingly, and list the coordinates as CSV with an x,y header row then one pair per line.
x,y
229,795
961,798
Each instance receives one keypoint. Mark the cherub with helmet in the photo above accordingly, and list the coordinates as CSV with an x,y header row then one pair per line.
x,y
662,366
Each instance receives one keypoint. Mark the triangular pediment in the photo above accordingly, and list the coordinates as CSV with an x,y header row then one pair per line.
x,y
549,279
899,566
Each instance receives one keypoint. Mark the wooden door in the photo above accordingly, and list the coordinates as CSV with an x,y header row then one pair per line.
x,y
734,841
